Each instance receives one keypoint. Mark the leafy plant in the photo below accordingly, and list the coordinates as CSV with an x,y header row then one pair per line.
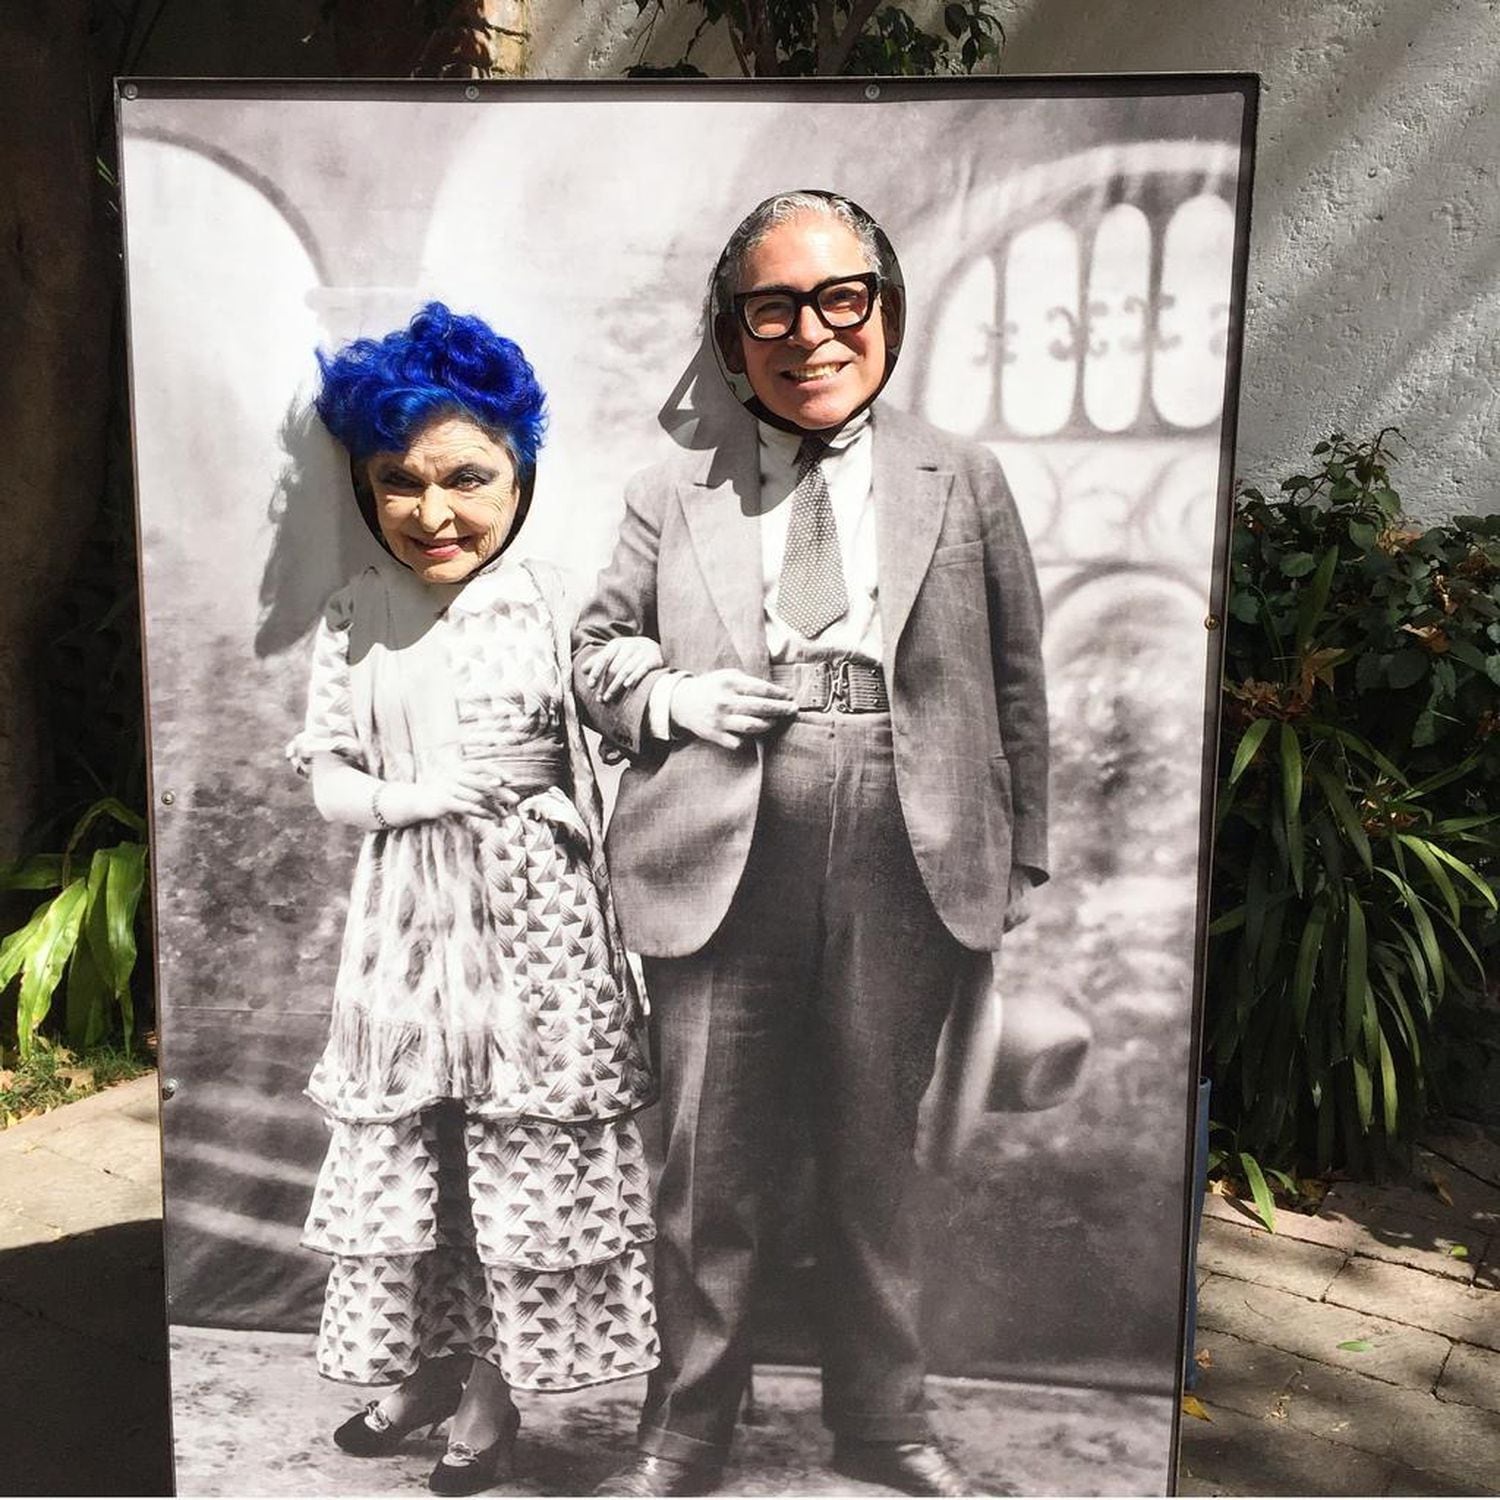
x,y
790,38
1355,830
84,935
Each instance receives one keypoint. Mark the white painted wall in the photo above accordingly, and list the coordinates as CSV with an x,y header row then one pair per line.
x,y
1374,294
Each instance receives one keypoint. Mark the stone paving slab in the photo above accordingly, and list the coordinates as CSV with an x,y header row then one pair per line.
x,y
1423,1301
1403,1239
1243,1376
1469,1149
1405,1480
79,1417
1472,1201
124,1143
1487,1272
1397,1354
252,1417
17,1228
1436,1437
1472,1377
69,1196
85,1166
1237,1455
1252,1254
106,1285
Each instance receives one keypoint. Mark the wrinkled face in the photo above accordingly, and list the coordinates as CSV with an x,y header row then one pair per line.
x,y
447,504
815,377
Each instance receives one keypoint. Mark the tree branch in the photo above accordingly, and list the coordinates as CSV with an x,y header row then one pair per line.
x,y
762,38
859,17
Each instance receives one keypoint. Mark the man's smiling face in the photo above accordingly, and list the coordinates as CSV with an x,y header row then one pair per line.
x,y
814,377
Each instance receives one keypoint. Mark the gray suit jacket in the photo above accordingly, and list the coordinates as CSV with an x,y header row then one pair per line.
x,y
961,619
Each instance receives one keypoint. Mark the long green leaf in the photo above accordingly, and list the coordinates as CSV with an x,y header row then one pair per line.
x,y
1227,921
1308,949
1456,931
107,807
1364,1093
1249,744
1416,961
42,872
1425,935
1343,809
1314,597
1356,969
17,945
1467,872
1362,748
86,995
1265,1204
48,953
1291,791
1396,1004
1435,871
127,873
87,987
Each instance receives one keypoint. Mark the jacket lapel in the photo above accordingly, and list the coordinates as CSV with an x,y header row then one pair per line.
x,y
722,513
911,493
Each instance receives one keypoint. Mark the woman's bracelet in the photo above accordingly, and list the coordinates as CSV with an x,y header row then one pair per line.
x,y
375,811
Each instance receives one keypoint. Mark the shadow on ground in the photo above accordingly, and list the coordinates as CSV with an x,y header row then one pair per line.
x,y
83,1375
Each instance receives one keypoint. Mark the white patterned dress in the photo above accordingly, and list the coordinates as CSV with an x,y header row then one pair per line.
x,y
485,1190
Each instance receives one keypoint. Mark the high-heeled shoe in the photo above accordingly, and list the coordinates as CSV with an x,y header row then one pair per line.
x,y
370,1434
463,1470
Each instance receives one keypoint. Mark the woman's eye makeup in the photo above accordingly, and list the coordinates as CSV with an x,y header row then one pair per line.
x,y
470,479
397,479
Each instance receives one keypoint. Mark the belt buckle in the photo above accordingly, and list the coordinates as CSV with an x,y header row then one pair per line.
x,y
838,687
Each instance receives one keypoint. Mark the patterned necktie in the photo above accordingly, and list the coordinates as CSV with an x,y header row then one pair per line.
x,y
811,595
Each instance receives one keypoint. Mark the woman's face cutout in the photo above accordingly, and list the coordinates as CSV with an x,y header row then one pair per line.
x,y
447,504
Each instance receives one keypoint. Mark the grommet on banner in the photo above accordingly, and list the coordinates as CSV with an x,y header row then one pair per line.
x,y
168,1087
1212,622
168,798
471,92
129,91
872,91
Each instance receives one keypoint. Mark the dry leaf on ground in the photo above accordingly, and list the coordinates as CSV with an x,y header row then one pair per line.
x,y
1193,1407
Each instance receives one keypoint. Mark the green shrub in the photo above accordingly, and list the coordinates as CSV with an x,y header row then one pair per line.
x,y
83,937
1356,834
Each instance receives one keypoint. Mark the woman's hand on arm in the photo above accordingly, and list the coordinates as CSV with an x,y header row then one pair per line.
x,y
345,794
619,664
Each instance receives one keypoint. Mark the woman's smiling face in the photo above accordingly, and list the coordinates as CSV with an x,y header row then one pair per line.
x,y
447,504
815,377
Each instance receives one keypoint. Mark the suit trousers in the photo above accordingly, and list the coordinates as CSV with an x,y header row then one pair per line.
x,y
831,975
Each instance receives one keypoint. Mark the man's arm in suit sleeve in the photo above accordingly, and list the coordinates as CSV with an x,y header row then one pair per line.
x,y
624,603
1015,611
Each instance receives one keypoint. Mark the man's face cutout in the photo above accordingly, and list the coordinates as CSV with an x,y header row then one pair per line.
x,y
813,378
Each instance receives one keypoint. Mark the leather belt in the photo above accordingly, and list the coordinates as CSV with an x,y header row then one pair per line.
x,y
845,687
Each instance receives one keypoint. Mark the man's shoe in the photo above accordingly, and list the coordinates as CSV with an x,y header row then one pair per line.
x,y
650,1474
912,1468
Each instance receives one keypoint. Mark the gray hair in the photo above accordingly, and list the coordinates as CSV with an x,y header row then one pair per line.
x,y
782,209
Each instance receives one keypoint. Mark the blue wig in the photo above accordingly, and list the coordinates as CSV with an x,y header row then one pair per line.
x,y
378,393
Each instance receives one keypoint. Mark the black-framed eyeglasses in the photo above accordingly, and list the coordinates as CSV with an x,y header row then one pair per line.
x,y
841,303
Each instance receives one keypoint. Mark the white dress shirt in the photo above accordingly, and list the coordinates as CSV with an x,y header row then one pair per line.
x,y
848,466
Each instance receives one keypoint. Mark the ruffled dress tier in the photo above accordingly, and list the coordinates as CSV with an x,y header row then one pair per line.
x,y
485,1191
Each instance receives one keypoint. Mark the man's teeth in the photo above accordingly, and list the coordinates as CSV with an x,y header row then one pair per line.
x,y
813,372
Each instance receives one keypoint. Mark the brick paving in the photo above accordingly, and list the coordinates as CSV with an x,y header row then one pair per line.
x,y
1357,1350
1405,1277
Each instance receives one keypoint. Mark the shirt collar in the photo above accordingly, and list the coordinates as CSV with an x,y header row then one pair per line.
x,y
779,440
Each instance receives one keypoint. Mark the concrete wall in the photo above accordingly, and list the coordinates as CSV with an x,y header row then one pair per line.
x,y
1374,293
